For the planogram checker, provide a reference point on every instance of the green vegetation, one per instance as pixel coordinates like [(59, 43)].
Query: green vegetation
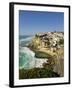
[(36, 73), (61, 42), (39, 54)]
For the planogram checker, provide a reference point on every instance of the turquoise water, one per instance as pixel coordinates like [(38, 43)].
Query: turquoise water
[(27, 59)]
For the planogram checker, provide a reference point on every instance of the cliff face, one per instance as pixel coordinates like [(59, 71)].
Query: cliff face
[(50, 44)]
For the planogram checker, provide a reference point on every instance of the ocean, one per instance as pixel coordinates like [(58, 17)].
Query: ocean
[(27, 59)]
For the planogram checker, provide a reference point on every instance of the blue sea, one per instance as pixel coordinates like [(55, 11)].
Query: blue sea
[(24, 40)]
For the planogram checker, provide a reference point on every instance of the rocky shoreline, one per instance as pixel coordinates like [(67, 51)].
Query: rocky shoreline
[(50, 45)]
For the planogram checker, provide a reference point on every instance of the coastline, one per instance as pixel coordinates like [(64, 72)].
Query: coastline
[(48, 55)]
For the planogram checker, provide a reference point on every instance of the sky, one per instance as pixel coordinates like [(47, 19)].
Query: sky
[(32, 22)]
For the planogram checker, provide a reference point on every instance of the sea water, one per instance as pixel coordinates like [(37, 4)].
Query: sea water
[(27, 59)]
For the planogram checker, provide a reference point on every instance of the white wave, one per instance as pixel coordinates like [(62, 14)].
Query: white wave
[(31, 60), (27, 50), (26, 39)]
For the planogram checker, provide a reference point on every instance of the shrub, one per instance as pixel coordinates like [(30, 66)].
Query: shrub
[(40, 54), (36, 73), (61, 41)]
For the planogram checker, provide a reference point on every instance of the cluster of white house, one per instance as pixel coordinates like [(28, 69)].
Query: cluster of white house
[(50, 39)]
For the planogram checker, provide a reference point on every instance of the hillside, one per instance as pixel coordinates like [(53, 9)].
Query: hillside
[(50, 45)]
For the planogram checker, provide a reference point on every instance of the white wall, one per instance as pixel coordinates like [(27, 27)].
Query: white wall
[(4, 44)]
